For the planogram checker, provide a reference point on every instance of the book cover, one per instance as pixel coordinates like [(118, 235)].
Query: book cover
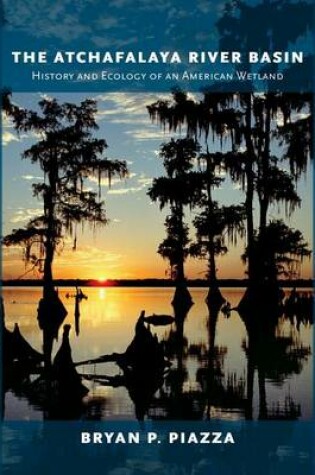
[(157, 236)]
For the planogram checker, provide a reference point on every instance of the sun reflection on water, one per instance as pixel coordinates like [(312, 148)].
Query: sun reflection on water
[(107, 325)]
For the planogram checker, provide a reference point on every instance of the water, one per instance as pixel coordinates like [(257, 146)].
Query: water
[(211, 369)]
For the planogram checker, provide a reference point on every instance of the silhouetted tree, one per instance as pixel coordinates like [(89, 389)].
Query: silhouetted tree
[(215, 224), (266, 174), (263, 173), (68, 154), (284, 251), (178, 189), (269, 140), (213, 116)]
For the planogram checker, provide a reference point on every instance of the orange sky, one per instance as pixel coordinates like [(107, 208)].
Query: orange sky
[(127, 247)]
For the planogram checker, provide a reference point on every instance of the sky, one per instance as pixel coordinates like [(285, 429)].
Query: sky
[(127, 247)]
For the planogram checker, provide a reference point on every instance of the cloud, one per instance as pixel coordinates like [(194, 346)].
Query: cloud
[(146, 134), (31, 177), (7, 127), (125, 191), (87, 257), (133, 184), (11, 253), (8, 137), (205, 6), (237, 186), (145, 181), (131, 109), (46, 97), (23, 215), (301, 116), (43, 18), (87, 254), (114, 180), (130, 121), (139, 185), (102, 41), (119, 3), (279, 120), (6, 122), (107, 22), (129, 103), (142, 5)]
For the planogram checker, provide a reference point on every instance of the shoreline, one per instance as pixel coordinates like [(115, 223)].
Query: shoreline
[(157, 283)]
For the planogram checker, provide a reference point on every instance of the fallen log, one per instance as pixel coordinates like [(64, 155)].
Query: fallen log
[(113, 358), (159, 320)]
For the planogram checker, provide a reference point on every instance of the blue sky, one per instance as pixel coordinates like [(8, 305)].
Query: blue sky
[(115, 24), (127, 247)]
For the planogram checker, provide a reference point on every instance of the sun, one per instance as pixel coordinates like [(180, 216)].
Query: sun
[(102, 280)]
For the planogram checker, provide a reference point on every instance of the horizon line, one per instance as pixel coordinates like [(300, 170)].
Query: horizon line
[(146, 282)]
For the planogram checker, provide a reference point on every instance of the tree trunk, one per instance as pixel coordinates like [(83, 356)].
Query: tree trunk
[(182, 298), (48, 286), (214, 295), (49, 206), (266, 166), (250, 187), (263, 215), (265, 198), (213, 281), (249, 298), (180, 274), (51, 312)]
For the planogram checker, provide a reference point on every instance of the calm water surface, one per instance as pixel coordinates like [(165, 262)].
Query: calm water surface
[(210, 372)]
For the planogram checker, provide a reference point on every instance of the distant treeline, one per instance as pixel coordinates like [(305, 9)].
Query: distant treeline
[(146, 283)]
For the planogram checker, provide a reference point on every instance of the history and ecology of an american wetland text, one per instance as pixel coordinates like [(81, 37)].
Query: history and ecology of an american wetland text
[(214, 60)]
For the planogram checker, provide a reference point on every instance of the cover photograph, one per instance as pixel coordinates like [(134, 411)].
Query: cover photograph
[(157, 237)]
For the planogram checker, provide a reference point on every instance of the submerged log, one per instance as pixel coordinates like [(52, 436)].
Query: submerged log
[(159, 320), (22, 350), (63, 369), (15, 347), (143, 366), (113, 358), (143, 351)]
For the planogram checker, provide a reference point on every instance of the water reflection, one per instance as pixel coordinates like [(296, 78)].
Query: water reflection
[(51, 313), (224, 390), (143, 365), (275, 357), (173, 402), (196, 362)]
